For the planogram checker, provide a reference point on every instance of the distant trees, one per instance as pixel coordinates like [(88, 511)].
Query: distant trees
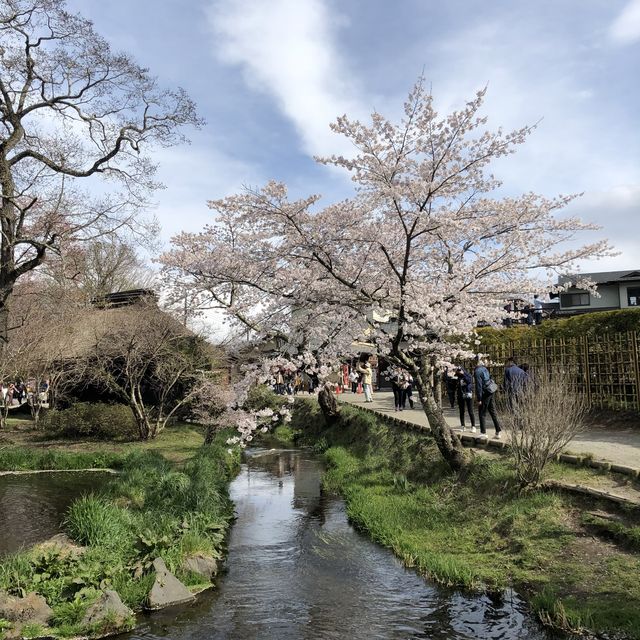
[(72, 113), (86, 272)]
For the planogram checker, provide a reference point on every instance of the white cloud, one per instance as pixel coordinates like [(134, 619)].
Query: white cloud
[(625, 29), (193, 176), (287, 49)]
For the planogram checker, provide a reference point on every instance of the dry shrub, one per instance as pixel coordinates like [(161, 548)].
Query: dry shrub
[(546, 414)]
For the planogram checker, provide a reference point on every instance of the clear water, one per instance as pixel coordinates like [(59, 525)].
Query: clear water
[(32, 506), (298, 570)]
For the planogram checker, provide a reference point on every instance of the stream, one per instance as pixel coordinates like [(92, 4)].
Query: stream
[(298, 570)]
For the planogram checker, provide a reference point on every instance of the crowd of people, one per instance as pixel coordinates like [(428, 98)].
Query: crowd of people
[(462, 386), (17, 393)]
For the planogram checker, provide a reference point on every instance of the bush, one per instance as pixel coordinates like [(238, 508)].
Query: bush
[(587, 324), (545, 415), (91, 420)]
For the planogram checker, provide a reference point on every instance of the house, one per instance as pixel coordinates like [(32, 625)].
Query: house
[(616, 290)]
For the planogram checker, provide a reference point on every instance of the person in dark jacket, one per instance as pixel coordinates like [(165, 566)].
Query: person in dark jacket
[(515, 380), (464, 394), (452, 384), (486, 401)]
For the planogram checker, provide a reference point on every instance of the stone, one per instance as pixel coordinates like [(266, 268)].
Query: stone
[(33, 608), (108, 608), (202, 565), (167, 590), (627, 471), (600, 464), (63, 544), (570, 459)]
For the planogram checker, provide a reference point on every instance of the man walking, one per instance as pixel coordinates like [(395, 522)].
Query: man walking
[(485, 390), (514, 380)]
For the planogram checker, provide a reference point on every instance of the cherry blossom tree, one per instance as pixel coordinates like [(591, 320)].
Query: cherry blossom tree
[(425, 248), (72, 113)]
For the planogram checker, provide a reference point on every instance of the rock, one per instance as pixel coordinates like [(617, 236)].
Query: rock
[(167, 590), (108, 608), (30, 609), (204, 566), (63, 544), (627, 471)]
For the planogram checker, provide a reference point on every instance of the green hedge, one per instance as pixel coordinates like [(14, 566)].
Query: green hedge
[(588, 324)]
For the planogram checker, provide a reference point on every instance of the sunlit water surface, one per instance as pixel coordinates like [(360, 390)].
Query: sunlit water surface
[(298, 570)]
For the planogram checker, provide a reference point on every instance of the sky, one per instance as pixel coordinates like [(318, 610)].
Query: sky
[(269, 76)]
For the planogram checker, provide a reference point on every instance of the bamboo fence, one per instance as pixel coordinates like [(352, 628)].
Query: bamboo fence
[(605, 367)]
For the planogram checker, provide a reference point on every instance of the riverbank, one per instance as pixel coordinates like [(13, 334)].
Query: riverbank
[(154, 508), (576, 560)]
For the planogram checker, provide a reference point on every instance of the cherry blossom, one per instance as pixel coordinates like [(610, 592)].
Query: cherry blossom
[(425, 249)]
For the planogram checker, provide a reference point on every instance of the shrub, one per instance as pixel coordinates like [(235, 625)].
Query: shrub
[(91, 420), (544, 416)]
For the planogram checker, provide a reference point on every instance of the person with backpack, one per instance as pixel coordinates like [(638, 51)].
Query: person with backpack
[(464, 393), (485, 391)]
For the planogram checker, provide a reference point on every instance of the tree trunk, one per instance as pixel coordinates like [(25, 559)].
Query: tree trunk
[(449, 444), (328, 404), (140, 416)]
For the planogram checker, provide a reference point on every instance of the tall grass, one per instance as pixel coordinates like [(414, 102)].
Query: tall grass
[(95, 521)]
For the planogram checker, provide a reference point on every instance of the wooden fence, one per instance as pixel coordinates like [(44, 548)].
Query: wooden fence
[(605, 367)]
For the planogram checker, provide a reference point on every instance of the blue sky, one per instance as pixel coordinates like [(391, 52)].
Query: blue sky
[(269, 75)]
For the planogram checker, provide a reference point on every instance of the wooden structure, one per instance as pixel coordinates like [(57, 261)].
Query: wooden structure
[(605, 367)]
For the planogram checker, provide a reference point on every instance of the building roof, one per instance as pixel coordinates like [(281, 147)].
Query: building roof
[(603, 277)]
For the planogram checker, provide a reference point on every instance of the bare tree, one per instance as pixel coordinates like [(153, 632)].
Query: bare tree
[(149, 361), (38, 353), (89, 271), (546, 414), (72, 112)]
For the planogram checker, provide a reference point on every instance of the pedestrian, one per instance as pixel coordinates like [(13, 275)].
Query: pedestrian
[(485, 392), (396, 387), (537, 309), (408, 394), (514, 381), (364, 368), (10, 393), (464, 395), (451, 383), (353, 379)]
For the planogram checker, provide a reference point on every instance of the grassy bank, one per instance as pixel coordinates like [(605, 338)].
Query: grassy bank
[(176, 443), (153, 508), (578, 570)]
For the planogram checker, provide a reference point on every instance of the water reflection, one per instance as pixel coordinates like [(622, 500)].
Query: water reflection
[(298, 570), (32, 506)]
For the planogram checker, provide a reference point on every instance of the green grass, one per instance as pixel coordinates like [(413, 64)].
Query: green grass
[(176, 443), (152, 508), (24, 459), (480, 531)]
